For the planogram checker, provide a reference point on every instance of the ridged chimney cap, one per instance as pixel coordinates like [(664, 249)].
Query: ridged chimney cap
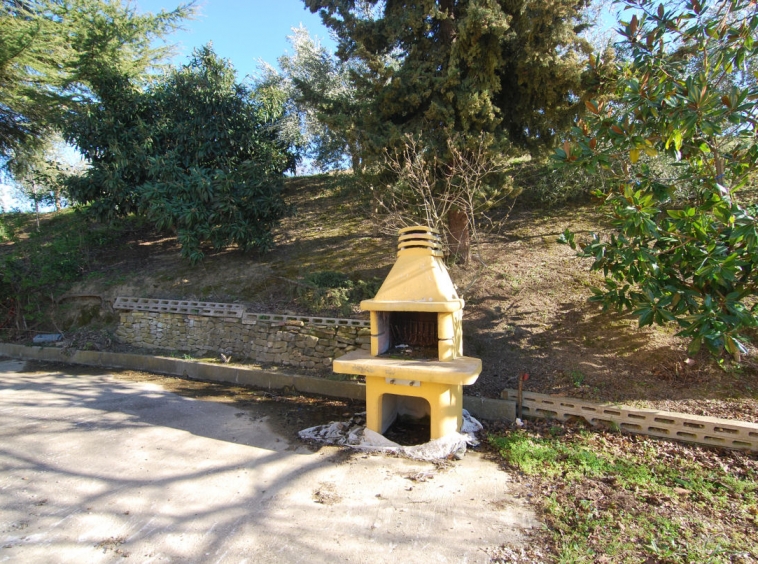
[(419, 280), (420, 237)]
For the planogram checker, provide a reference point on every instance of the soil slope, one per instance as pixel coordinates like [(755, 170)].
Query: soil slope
[(526, 301)]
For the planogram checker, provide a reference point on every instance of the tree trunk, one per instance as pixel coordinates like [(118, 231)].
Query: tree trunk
[(355, 156), (447, 26), (460, 236), (36, 203)]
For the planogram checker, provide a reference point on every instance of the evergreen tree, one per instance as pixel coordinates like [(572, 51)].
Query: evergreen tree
[(513, 69), (506, 74), (51, 50)]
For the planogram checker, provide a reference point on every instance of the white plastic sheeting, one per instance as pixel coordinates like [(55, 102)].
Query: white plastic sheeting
[(355, 435)]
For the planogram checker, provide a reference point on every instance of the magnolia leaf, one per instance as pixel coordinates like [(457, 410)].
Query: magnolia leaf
[(634, 155), (676, 137)]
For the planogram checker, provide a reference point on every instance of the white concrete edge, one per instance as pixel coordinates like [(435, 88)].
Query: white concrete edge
[(699, 429)]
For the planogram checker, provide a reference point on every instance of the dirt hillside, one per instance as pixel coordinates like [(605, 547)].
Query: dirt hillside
[(526, 302)]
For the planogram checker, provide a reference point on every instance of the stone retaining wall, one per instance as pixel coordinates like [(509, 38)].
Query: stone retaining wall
[(266, 338)]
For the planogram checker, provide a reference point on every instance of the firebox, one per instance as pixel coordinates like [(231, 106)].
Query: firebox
[(416, 362)]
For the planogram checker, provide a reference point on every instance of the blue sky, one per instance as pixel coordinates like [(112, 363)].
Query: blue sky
[(242, 31)]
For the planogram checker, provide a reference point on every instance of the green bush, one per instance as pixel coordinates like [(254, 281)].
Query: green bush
[(685, 247), (35, 270), (196, 153), (544, 185), (330, 290)]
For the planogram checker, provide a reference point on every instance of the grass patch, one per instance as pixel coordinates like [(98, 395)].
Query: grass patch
[(611, 497)]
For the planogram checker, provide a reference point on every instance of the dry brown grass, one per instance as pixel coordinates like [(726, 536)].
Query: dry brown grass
[(526, 298)]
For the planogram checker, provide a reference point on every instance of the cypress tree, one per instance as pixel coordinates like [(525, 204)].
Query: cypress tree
[(512, 69)]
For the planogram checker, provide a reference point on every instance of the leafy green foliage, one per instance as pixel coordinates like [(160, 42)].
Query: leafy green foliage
[(330, 290), (503, 75), (320, 102), (39, 171), (541, 185), (685, 248), (197, 154), (38, 268), (50, 52)]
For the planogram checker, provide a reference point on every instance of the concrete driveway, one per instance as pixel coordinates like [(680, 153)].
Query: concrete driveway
[(94, 468)]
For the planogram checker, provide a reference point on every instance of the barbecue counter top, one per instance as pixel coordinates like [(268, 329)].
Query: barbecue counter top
[(463, 370)]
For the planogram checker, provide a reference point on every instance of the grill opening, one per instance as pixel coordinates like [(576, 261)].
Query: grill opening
[(411, 335), (412, 328)]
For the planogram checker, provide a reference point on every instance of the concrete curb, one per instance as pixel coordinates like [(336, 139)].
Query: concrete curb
[(482, 408)]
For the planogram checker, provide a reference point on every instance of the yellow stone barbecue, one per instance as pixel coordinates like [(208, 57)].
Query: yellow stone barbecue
[(416, 364)]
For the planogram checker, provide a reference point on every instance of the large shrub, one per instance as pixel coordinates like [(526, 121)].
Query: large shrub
[(685, 249), (197, 154)]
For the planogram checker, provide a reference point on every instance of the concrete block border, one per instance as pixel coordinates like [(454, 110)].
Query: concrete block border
[(320, 321), (483, 408), (207, 309), (214, 309), (698, 429)]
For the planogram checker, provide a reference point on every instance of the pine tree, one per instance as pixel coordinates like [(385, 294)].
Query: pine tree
[(51, 50), (509, 74)]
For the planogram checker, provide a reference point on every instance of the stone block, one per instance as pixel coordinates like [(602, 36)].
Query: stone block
[(311, 341)]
